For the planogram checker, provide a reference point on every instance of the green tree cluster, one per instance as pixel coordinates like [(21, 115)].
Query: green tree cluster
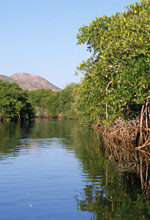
[(50, 104), (14, 103), (116, 80)]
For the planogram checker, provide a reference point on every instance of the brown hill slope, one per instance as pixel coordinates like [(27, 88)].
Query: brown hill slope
[(6, 78), (32, 82)]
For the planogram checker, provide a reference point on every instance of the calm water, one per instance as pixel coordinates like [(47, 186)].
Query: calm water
[(56, 170)]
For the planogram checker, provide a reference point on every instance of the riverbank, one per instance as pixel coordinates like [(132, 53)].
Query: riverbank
[(120, 134), (122, 147)]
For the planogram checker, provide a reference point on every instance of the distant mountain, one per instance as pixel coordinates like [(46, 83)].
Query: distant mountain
[(30, 81), (6, 78)]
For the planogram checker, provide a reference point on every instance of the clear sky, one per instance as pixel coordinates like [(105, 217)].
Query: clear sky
[(39, 36)]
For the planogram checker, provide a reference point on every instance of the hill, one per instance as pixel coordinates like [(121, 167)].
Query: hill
[(30, 82), (6, 78)]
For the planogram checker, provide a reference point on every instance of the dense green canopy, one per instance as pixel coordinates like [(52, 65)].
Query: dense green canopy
[(14, 103), (48, 103), (116, 78)]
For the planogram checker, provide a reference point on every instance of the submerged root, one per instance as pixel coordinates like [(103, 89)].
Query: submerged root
[(128, 135), (123, 134), (122, 146)]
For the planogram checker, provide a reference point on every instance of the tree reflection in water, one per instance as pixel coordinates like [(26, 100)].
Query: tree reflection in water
[(115, 190)]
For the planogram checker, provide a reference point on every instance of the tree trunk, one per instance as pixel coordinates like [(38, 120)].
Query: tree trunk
[(106, 100), (141, 126)]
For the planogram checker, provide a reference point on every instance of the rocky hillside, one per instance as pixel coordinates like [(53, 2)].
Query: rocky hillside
[(30, 81), (6, 78)]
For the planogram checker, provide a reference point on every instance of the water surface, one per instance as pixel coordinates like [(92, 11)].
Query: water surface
[(56, 170)]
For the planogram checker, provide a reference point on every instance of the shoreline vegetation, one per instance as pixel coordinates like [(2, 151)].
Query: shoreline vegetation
[(114, 93)]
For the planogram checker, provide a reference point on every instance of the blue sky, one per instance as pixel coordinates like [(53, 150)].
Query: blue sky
[(39, 36)]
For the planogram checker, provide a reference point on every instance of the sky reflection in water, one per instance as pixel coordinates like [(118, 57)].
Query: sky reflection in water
[(55, 170)]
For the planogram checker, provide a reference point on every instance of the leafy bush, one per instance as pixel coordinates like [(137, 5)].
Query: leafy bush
[(117, 75), (14, 103), (48, 103)]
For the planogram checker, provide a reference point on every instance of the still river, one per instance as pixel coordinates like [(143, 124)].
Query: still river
[(57, 170)]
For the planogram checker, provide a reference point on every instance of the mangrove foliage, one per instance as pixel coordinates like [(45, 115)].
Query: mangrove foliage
[(116, 80), (14, 102), (116, 77), (50, 104)]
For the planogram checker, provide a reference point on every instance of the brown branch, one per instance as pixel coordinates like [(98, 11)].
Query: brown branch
[(146, 115), (144, 145), (141, 124), (106, 100)]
